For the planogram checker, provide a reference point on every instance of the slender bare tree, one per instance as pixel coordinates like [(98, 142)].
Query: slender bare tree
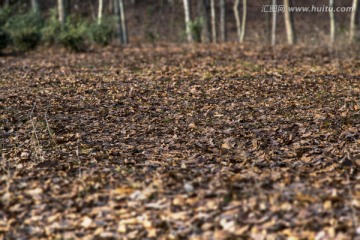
[(237, 18), (223, 20), (240, 24), (332, 21), (119, 26), (273, 26), (115, 7), (35, 6), (122, 19), (205, 28), (61, 11), (268, 25), (100, 11), (353, 21), (187, 12), (213, 21), (289, 23), (243, 24)]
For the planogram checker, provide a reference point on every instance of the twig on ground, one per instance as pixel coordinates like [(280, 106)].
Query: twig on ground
[(37, 142)]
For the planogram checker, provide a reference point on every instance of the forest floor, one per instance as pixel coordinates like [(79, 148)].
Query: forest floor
[(166, 142)]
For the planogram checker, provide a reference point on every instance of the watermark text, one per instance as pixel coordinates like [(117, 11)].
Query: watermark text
[(324, 8)]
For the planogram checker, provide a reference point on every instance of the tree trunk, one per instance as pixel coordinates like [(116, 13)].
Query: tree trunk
[(115, 7), (353, 21), (35, 6), (68, 5), (273, 26), (237, 19), (187, 12), (213, 21), (223, 20), (61, 11), (110, 6), (100, 11), (205, 28), (289, 23), (268, 26), (119, 25), (122, 17), (243, 25), (332, 22), (357, 15)]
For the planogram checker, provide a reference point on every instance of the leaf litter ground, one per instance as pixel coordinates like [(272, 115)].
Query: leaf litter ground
[(204, 142)]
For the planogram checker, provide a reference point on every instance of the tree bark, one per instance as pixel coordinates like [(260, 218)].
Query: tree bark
[(353, 21), (273, 25), (332, 22), (205, 28), (119, 25), (61, 11), (289, 23), (125, 39), (35, 6), (237, 19), (268, 25), (357, 15), (187, 12), (100, 11), (223, 20), (243, 25), (115, 7), (213, 21), (110, 6), (67, 4)]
